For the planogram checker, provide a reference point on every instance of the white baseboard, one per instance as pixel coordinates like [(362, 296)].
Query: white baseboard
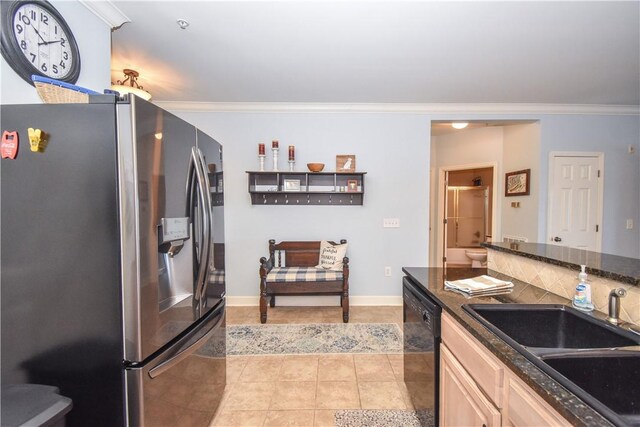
[(320, 300), (376, 300)]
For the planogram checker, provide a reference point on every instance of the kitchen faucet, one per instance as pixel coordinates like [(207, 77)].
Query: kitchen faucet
[(614, 305)]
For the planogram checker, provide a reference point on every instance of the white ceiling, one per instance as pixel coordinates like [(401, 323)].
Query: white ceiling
[(579, 52)]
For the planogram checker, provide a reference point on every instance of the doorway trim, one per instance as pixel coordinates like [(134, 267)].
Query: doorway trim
[(496, 211), (600, 201)]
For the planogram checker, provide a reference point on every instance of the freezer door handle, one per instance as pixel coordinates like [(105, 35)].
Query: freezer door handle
[(215, 317)]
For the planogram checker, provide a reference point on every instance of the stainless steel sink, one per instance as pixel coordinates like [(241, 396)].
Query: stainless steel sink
[(597, 361)]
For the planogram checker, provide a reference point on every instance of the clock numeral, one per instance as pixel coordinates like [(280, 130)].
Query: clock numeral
[(43, 67), (65, 55), (54, 67), (55, 29), (23, 45), (33, 15), (33, 58), (44, 18), (19, 28), (63, 43), (25, 19), (64, 67)]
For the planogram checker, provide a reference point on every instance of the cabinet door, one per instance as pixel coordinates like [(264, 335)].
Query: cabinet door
[(484, 368), (461, 401), (525, 409)]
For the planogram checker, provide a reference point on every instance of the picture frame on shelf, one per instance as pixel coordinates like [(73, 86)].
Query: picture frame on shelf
[(291, 185), (352, 185), (517, 183), (345, 163)]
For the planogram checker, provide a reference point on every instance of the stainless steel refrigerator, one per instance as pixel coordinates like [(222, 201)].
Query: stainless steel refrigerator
[(112, 262)]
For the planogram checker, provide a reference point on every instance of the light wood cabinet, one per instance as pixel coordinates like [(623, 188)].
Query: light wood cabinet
[(483, 366), (461, 401), (526, 409), (477, 389)]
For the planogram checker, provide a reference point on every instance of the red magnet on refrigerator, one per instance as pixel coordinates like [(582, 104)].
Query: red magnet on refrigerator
[(9, 144)]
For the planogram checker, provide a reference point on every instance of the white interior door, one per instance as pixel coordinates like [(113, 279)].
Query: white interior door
[(575, 200)]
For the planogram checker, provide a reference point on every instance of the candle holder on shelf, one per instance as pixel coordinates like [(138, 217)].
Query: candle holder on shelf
[(292, 157), (275, 159), (291, 165), (261, 155)]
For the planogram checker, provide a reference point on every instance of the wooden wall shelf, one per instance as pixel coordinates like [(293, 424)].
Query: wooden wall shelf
[(314, 188)]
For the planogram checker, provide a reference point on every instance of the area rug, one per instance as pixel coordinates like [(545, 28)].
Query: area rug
[(314, 338), (383, 418)]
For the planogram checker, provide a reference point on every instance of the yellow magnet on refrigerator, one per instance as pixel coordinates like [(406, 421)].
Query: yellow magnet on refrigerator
[(36, 139)]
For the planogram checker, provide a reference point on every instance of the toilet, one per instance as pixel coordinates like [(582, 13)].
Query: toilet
[(478, 257)]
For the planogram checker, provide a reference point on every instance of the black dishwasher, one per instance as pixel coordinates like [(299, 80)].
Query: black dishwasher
[(421, 332)]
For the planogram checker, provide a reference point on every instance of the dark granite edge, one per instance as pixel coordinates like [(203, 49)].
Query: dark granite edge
[(571, 407), (612, 275)]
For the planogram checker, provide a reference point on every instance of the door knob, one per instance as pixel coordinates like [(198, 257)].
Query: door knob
[(557, 239)]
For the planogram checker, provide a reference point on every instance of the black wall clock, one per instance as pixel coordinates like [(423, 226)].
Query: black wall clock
[(37, 40)]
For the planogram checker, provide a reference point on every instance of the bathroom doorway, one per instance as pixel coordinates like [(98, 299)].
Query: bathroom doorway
[(467, 219)]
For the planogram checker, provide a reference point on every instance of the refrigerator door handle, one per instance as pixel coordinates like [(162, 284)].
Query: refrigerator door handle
[(209, 220), (189, 213), (195, 184), (216, 316), (205, 204)]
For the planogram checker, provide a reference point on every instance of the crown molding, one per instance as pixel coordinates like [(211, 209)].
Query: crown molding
[(107, 11), (445, 108)]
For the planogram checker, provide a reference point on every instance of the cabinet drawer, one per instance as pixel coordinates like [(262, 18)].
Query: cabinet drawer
[(526, 409), (486, 370)]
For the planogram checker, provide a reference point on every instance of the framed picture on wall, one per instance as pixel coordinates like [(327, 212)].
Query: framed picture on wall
[(517, 183)]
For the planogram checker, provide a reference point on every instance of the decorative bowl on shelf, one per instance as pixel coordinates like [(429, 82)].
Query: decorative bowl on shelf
[(315, 167)]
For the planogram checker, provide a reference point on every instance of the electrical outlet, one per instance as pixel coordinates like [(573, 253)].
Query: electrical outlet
[(387, 271), (391, 222), (629, 224)]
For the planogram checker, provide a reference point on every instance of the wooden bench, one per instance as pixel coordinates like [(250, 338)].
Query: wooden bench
[(299, 275)]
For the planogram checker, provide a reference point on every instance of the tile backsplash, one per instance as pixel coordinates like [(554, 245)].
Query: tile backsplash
[(562, 281)]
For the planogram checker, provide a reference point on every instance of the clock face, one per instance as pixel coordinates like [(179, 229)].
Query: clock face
[(43, 41), (37, 40)]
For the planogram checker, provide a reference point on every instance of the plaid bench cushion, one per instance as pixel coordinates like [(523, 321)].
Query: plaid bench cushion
[(302, 274), (216, 277)]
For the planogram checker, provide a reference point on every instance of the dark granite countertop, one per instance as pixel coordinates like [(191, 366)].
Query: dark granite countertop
[(566, 403), (614, 267)]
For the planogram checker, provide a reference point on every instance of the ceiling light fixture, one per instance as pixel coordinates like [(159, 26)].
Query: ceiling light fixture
[(130, 85), (183, 23), (459, 125)]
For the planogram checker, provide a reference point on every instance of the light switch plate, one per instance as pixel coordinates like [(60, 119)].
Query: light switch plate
[(391, 222)]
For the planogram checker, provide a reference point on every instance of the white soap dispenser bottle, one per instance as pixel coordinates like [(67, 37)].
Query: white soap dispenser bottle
[(582, 297)]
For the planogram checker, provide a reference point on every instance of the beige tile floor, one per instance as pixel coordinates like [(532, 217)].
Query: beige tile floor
[(306, 390)]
